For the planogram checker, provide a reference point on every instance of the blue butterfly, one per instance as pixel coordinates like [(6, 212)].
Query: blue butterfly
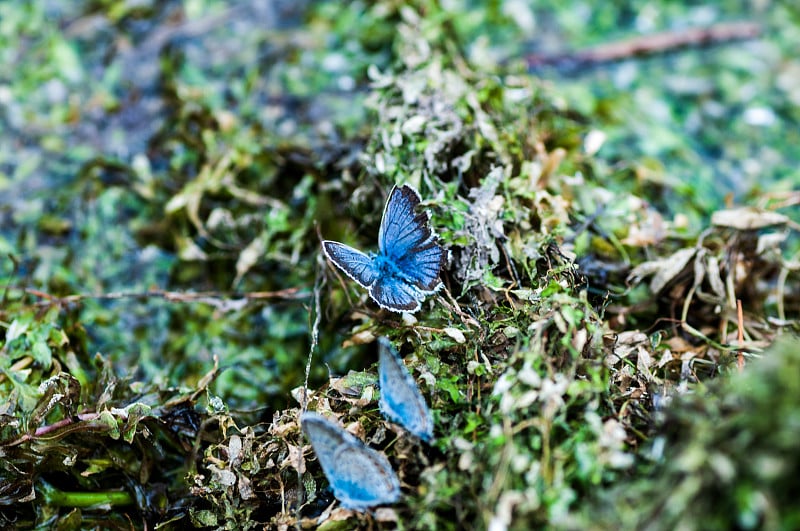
[(401, 401), (409, 259), (359, 476)]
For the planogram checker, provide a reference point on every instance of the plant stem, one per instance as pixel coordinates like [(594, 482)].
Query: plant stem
[(53, 496)]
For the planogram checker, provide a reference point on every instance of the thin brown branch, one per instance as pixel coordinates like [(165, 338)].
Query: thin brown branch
[(740, 318), (645, 45), (58, 429), (219, 299)]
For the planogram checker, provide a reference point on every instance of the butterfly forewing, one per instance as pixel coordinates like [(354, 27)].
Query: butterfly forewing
[(401, 400), (402, 229), (359, 476), (355, 264)]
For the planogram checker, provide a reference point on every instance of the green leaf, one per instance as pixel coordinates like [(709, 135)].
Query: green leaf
[(40, 351), (17, 328), (108, 420), (136, 412)]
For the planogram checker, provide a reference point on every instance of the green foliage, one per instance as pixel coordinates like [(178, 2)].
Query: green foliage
[(721, 457), (72, 432), (168, 169), (534, 441)]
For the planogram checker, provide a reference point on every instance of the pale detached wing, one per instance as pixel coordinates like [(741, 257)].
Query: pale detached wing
[(359, 476), (401, 401)]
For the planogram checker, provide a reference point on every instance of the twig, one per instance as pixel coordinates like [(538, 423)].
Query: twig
[(219, 299), (318, 284), (740, 318), (453, 306), (82, 421), (314, 331), (51, 496), (645, 45)]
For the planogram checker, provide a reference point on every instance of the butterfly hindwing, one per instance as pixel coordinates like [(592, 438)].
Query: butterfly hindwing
[(359, 476), (396, 294), (422, 267), (355, 264), (401, 400)]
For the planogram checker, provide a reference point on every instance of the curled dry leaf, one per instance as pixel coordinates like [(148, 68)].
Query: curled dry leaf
[(664, 269), (295, 457), (359, 338), (770, 242), (456, 334), (747, 219), (714, 277), (249, 257), (386, 514), (356, 388)]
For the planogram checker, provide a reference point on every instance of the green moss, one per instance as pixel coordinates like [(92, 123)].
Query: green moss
[(722, 457)]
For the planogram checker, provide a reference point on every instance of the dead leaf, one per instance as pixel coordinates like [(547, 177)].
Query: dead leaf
[(747, 218), (456, 334), (665, 269)]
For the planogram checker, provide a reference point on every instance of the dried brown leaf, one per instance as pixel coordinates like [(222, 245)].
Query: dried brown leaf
[(747, 218)]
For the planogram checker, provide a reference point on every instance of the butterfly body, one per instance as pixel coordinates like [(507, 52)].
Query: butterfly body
[(409, 259), (387, 268)]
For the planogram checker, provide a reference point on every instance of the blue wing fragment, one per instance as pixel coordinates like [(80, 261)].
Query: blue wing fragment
[(359, 476), (401, 401)]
